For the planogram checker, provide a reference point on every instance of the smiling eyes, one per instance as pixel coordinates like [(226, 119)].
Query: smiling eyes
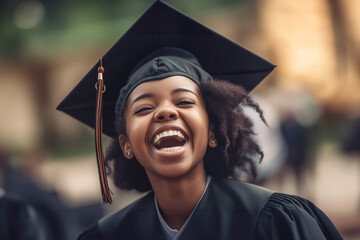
[(142, 109), (182, 103), (185, 102)]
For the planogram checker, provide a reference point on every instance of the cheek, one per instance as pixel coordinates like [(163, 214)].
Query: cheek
[(200, 127), (136, 131)]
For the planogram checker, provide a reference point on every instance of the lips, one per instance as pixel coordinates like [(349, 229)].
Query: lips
[(169, 140)]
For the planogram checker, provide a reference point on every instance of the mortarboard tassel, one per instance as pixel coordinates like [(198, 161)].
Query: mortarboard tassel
[(100, 87)]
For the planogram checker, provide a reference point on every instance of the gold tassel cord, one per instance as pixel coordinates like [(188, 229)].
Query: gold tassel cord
[(100, 87)]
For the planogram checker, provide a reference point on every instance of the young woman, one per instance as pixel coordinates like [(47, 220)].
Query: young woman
[(181, 135)]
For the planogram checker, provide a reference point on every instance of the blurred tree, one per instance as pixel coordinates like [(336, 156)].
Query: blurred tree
[(66, 25)]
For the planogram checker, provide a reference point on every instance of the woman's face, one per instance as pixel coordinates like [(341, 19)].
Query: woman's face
[(167, 127)]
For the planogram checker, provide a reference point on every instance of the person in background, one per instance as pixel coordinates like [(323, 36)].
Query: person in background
[(19, 220)]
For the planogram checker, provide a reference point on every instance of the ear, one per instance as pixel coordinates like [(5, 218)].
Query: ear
[(126, 147), (212, 138)]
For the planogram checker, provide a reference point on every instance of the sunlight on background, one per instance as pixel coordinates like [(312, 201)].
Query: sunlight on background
[(29, 14)]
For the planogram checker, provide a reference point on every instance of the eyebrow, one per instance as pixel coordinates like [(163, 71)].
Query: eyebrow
[(183, 90), (146, 95)]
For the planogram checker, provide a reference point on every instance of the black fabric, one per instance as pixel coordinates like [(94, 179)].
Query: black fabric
[(60, 221), (137, 221), (93, 233), (229, 209), (292, 217), (19, 221)]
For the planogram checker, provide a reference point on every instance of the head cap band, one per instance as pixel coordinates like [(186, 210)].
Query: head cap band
[(160, 64)]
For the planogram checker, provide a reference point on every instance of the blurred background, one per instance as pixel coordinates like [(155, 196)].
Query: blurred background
[(311, 100)]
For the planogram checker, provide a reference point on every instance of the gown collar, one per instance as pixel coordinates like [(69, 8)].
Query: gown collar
[(174, 234)]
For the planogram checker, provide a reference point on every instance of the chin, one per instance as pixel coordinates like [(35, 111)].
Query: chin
[(180, 170)]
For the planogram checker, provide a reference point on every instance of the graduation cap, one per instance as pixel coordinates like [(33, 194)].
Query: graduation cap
[(160, 26)]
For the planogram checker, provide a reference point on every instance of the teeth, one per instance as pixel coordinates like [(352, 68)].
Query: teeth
[(167, 134), (169, 149)]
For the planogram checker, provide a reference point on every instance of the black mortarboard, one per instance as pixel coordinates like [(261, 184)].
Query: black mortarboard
[(161, 26)]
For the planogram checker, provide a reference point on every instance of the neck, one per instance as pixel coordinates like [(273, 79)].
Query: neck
[(177, 197)]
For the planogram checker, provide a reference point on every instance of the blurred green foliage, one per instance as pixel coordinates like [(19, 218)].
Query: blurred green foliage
[(67, 25)]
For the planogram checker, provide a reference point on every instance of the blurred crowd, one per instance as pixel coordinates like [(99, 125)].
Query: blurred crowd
[(30, 212)]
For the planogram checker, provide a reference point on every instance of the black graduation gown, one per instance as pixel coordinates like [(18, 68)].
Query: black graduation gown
[(230, 209), (19, 221)]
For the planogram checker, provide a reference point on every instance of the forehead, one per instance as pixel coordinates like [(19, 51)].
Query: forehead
[(164, 85)]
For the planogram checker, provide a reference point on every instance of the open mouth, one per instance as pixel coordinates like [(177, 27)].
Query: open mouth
[(170, 140)]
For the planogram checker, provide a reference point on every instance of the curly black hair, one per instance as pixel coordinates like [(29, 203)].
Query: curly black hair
[(235, 154)]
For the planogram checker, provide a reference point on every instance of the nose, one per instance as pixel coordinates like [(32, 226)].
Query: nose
[(166, 114)]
